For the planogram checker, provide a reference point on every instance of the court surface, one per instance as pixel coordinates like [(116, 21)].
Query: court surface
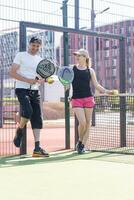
[(66, 175)]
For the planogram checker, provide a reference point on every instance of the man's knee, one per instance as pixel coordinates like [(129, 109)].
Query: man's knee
[(26, 112)]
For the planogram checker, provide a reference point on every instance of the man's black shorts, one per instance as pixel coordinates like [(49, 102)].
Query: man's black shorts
[(30, 106)]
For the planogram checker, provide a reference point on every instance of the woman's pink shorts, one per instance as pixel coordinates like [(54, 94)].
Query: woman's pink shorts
[(87, 102)]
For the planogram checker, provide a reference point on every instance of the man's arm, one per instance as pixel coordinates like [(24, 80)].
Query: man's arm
[(13, 73)]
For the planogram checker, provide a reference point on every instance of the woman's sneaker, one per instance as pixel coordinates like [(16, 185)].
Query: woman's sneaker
[(80, 148), (18, 137), (40, 153)]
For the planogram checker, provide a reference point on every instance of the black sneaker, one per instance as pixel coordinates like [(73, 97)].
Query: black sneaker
[(18, 137), (40, 153), (81, 149)]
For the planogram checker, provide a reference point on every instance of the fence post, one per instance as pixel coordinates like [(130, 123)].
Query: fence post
[(22, 47), (122, 79), (76, 7), (66, 95), (1, 97), (76, 10)]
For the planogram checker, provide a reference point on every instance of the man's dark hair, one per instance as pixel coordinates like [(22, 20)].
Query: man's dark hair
[(35, 40)]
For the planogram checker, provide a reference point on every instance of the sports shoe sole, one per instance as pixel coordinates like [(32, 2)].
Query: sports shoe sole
[(36, 155)]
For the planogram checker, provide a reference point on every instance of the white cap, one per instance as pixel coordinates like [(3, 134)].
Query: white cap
[(82, 52)]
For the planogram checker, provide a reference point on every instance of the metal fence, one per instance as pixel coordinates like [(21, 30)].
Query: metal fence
[(114, 125), (21, 21), (69, 41), (8, 127), (113, 130)]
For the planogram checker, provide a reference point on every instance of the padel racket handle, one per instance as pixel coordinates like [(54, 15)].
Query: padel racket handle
[(37, 78)]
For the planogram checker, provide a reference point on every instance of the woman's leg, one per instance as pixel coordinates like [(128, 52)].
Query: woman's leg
[(80, 114), (88, 115)]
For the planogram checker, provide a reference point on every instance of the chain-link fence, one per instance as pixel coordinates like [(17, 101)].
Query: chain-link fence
[(104, 51), (114, 125)]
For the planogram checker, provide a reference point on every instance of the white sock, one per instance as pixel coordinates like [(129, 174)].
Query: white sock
[(36, 133)]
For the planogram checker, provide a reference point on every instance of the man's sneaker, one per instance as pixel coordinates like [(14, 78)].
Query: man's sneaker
[(40, 153), (18, 137), (81, 149)]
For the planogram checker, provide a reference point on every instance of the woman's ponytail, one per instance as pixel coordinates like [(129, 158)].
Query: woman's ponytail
[(88, 62)]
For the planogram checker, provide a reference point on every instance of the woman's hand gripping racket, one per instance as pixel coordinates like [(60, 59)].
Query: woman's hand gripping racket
[(66, 76)]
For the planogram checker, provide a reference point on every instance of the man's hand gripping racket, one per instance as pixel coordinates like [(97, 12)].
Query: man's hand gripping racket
[(45, 69)]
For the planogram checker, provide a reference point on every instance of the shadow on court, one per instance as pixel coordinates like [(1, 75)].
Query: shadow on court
[(64, 157)]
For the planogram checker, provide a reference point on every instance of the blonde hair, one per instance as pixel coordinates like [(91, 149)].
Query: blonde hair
[(88, 62)]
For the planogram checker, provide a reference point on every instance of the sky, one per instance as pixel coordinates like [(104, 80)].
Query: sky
[(49, 12), (39, 11)]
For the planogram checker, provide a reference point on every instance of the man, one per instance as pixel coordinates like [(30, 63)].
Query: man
[(27, 90)]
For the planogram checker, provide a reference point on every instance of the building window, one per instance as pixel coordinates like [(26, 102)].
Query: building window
[(115, 31), (129, 80), (107, 43), (114, 62), (106, 63), (129, 70), (130, 90), (114, 52), (115, 42), (107, 53), (114, 72), (122, 30), (129, 49), (129, 29), (129, 60), (128, 40)]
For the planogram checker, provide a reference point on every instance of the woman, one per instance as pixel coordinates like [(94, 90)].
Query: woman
[(82, 99)]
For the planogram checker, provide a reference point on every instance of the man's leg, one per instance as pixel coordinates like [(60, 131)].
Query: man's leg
[(36, 133), (37, 124), (23, 122), (26, 112)]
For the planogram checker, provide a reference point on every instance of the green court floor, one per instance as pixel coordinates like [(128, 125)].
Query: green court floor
[(68, 176)]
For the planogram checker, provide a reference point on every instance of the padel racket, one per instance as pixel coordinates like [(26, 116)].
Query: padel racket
[(66, 75), (45, 69)]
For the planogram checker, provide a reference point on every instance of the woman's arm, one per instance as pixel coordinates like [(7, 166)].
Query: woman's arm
[(97, 85)]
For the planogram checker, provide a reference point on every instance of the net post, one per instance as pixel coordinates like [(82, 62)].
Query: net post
[(122, 79), (76, 123), (22, 47), (93, 117)]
